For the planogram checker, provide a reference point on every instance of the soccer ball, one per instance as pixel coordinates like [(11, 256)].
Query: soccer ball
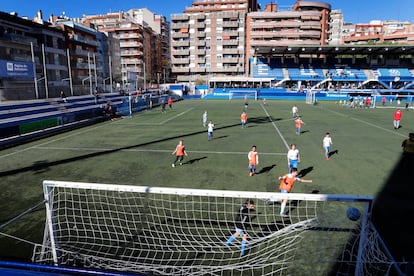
[(353, 213)]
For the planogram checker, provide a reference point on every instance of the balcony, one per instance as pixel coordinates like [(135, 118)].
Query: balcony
[(179, 26), (180, 69), (230, 60), (231, 33), (180, 43), (179, 35), (230, 24), (180, 60), (234, 42), (132, 61), (175, 17), (124, 44), (131, 53), (180, 52), (198, 70), (132, 35), (230, 51), (81, 39)]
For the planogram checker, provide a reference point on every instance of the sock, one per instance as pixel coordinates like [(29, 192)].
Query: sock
[(243, 247), (230, 240), (282, 207)]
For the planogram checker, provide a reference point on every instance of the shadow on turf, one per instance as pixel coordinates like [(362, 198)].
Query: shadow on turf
[(194, 160), (393, 210), (261, 120), (304, 172), (267, 169), (220, 137), (40, 166), (332, 153)]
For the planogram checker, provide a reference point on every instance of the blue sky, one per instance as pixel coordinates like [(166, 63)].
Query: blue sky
[(355, 11)]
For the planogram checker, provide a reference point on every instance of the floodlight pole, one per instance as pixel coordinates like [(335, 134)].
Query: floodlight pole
[(45, 71), (70, 72), (34, 71)]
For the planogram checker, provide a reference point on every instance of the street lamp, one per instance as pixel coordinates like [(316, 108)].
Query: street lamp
[(70, 84), (103, 81)]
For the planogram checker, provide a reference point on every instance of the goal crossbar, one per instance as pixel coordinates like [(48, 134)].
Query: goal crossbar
[(47, 184)]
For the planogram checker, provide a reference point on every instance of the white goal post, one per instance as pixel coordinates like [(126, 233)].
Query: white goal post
[(172, 231), (243, 94), (310, 97), (392, 101)]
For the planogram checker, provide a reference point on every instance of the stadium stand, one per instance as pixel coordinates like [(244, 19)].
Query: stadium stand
[(23, 121), (391, 74), (267, 69), (27, 120)]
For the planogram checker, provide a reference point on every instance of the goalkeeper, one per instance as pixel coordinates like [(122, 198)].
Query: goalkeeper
[(242, 221)]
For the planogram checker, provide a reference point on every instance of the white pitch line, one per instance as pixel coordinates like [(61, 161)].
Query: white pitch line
[(362, 121), (379, 127), (276, 128), (151, 150), (157, 124), (178, 115)]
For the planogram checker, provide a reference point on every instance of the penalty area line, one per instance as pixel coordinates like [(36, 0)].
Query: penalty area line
[(176, 116)]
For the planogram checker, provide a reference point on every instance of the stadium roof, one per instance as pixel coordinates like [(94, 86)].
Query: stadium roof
[(336, 50)]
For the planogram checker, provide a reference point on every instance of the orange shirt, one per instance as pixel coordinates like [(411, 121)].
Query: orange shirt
[(179, 150), (253, 157), (243, 116), (170, 101), (298, 123), (287, 182)]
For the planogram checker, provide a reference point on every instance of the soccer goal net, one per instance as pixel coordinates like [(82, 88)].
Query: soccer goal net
[(310, 97), (392, 101), (171, 231), (243, 94)]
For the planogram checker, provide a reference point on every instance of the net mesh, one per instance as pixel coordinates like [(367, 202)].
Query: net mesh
[(183, 232)]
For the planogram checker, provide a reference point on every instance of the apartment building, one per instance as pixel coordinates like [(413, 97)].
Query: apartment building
[(336, 27), (143, 46), (380, 32), (306, 23), (33, 58), (208, 40), (85, 55)]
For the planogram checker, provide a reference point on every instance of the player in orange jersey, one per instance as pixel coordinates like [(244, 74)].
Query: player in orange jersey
[(298, 125), (170, 102), (243, 119), (253, 157), (179, 153), (286, 184)]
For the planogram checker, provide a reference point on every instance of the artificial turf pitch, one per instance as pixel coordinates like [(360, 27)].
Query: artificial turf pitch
[(365, 160)]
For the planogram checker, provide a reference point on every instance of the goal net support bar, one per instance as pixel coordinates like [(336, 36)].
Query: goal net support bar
[(172, 231)]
